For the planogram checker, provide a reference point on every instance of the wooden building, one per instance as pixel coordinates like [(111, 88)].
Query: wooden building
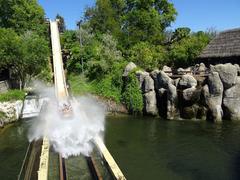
[(224, 48)]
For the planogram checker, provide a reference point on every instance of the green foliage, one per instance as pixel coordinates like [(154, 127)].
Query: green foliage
[(22, 15), (80, 85), (132, 95), (131, 21), (105, 55), (61, 23), (25, 55), (12, 95), (180, 33), (147, 56), (111, 85), (105, 17), (184, 52)]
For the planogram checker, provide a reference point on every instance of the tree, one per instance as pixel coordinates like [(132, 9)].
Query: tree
[(25, 55), (147, 56), (61, 23), (180, 33), (22, 15), (105, 17), (146, 20), (132, 21), (183, 53)]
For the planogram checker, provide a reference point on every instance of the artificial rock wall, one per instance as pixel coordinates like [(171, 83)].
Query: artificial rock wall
[(210, 94)]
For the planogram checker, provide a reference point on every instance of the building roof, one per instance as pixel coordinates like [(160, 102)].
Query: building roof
[(226, 44)]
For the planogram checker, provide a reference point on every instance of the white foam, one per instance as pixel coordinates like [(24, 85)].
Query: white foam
[(71, 136)]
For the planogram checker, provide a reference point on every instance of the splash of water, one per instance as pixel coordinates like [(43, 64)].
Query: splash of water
[(73, 135)]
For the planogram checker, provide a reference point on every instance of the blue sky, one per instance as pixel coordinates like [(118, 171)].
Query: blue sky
[(196, 14)]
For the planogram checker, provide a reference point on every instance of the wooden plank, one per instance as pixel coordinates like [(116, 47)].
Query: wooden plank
[(43, 165), (115, 170)]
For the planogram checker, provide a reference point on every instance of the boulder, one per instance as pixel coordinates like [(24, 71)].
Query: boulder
[(238, 68), (176, 81), (130, 66), (150, 103), (231, 102), (213, 93), (189, 112), (172, 100), (187, 81), (148, 84), (10, 111), (141, 76), (180, 71), (227, 72), (163, 80), (167, 70), (215, 84), (162, 91), (154, 75), (201, 69), (191, 95)]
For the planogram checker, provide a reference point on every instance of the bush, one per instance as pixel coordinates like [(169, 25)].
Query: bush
[(106, 88), (132, 95), (12, 95), (79, 85)]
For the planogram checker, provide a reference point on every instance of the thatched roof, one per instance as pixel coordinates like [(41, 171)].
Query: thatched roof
[(226, 44)]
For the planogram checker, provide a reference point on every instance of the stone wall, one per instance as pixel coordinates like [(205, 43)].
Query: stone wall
[(10, 112), (215, 96)]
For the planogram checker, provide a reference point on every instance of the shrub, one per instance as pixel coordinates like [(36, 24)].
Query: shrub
[(132, 95)]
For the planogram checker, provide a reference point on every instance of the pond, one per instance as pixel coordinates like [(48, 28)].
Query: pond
[(148, 148)]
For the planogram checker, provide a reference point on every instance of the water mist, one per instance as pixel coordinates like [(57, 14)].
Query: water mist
[(73, 135)]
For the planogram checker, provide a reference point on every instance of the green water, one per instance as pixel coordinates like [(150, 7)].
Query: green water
[(158, 149), (147, 148), (13, 145)]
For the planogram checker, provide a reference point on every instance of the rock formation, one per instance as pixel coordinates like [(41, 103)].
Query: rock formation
[(192, 95)]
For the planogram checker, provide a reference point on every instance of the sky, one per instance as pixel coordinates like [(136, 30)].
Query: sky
[(198, 15)]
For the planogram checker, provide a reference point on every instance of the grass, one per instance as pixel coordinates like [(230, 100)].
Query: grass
[(12, 95)]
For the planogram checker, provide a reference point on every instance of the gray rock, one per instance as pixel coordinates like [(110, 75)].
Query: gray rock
[(231, 102), (238, 68), (167, 70), (141, 76), (163, 80), (215, 84), (213, 93), (201, 69), (11, 110), (180, 71), (154, 75), (190, 112), (162, 91), (172, 100), (150, 103), (176, 81), (187, 81), (191, 94), (130, 66), (228, 74), (148, 84), (194, 112)]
